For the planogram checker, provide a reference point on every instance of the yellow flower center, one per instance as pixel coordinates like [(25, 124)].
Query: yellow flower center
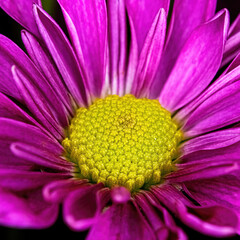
[(123, 141)]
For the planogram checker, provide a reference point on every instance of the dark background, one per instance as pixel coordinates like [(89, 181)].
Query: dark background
[(59, 230)]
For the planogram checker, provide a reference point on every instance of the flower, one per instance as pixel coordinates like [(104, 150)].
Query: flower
[(177, 160)]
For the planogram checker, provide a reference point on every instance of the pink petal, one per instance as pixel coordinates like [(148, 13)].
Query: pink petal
[(62, 54), (219, 110), (150, 55), (186, 16), (57, 191), (211, 141), (26, 211), (37, 104), (21, 11), (202, 169), (118, 222), (41, 158), (212, 220), (87, 25), (189, 78), (142, 19), (117, 45), (43, 61), (81, 206)]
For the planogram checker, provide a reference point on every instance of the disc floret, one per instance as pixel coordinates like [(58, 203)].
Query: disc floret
[(123, 141)]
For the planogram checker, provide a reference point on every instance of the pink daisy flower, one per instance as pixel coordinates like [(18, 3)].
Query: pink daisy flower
[(132, 124)]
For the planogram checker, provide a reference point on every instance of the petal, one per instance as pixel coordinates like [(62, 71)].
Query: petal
[(120, 195), (37, 104), (133, 58), (232, 44), (117, 45), (45, 64), (202, 169), (87, 25), (211, 141), (41, 158), (212, 220), (230, 76), (26, 211), (62, 54), (142, 19), (189, 78), (159, 218), (10, 55), (21, 11), (9, 109), (230, 152), (223, 190), (186, 16), (80, 207), (219, 110), (57, 191), (118, 222), (150, 55), (7, 60), (23, 181), (14, 131)]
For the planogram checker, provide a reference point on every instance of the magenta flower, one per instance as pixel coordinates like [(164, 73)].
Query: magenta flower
[(132, 125)]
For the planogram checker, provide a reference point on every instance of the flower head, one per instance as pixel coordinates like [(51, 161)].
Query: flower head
[(130, 126)]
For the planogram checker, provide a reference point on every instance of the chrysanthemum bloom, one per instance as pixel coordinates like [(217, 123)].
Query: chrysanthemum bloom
[(129, 126)]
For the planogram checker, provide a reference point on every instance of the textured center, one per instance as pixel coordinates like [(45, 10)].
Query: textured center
[(123, 141)]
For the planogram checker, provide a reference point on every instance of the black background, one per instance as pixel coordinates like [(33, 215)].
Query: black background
[(59, 230)]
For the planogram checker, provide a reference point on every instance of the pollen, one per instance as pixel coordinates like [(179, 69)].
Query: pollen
[(123, 141)]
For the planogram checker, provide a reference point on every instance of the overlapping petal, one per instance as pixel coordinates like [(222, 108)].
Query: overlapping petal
[(22, 12), (186, 16), (62, 54), (189, 78), (87, 25)]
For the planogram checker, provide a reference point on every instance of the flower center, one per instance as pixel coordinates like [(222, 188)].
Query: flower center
[(123, 141)]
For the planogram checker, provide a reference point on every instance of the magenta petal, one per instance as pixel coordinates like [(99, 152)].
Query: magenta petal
[(223, 190), (120, 195), (186, 16), (26, 211), (117, 45), (62, 54), (226, 79), (218, 139), (7, 60), (45, 64), (14, 131), (37, 103), (219, 110), (12, 55), (150, 55), (121, 221), (87, 25), (19, 181), (159, 218), (41, 158), (22, 12), (232, 45), (57, 191), (133, 58), (215, 221), (231, 48), (230, 152), (202, 169), (189, 78), (9, 109), (142, 19), (80, 207)]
